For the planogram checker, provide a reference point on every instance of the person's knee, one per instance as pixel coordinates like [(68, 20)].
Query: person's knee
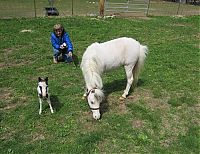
[(56, 52)]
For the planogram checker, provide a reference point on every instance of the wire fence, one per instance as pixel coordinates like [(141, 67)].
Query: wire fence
[(41, 8)]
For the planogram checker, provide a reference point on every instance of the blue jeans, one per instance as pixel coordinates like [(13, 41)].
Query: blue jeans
[(64, 53)]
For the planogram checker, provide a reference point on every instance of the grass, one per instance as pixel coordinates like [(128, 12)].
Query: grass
[(159, 116)]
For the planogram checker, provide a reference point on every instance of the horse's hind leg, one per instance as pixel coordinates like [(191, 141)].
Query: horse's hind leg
[(49, 102), (129, 75)]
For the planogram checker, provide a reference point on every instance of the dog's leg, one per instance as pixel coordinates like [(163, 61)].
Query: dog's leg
[(49, 102), (40, 110)]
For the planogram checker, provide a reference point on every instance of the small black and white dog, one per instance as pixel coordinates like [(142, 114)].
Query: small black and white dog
[(43, 93)]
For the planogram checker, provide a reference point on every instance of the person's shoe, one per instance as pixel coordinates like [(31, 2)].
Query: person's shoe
[(55, 60)]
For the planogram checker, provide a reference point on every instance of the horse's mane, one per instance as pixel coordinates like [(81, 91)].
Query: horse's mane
[(92, 68), (99, 94)]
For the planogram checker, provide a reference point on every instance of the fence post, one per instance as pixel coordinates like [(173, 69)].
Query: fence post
[(35, 8), (101, 7), (178, 7), (72, 7), (147, 12)]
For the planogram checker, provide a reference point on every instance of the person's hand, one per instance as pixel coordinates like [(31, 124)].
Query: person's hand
[(63, 46), (70, 54)]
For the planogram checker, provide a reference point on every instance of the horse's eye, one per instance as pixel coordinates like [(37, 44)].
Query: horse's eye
[(92, 102)]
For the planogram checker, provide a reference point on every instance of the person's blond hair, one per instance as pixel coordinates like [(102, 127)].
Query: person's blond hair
[(57, 27)]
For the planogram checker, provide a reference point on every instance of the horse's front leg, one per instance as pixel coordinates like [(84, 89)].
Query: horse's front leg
[(129, 75)]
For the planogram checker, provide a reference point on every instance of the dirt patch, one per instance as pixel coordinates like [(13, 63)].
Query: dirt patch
[(7, 135), (114, 104), (9, 102), (171, 127), (87, 122), (138, 123), (6, 94), (9, 106), (37, 137), (148, 97), (8, 51), (122, 108), (17, 62), (2, 65), (167, 142), (197, 35), (180, 25)]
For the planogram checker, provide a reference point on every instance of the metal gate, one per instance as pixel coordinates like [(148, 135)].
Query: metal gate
[(136, 7)]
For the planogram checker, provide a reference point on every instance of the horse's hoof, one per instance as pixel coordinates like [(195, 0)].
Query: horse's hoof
[(122, 98)]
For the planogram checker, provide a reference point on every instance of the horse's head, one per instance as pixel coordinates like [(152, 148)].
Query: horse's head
[(94, 98), (42, 88)]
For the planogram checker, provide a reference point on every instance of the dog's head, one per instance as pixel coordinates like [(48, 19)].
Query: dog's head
[(43, 88)]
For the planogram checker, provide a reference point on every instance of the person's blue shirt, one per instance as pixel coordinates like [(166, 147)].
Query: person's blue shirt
[(57, 41)]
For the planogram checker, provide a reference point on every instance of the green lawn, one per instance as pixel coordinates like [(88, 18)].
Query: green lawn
[(161, 115)]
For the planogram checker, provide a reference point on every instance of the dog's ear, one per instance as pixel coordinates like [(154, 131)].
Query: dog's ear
[(39, 79)]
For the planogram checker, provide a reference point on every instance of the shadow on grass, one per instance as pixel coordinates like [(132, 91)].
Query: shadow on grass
[(120, 85), (114, 86), (56, 103), (76, 60)]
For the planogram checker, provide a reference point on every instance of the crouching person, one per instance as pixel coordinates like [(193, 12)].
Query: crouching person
[(61, 43)]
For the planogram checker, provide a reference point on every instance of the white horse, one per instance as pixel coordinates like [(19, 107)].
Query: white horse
[(100, 57)]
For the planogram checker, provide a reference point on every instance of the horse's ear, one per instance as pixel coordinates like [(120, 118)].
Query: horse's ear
[(46, 79), (39, 79)]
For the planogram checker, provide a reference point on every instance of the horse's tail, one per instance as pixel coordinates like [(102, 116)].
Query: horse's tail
[(139, 65)]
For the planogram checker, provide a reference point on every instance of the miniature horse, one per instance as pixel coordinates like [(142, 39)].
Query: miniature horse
[(100, 57), (43, 93)]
